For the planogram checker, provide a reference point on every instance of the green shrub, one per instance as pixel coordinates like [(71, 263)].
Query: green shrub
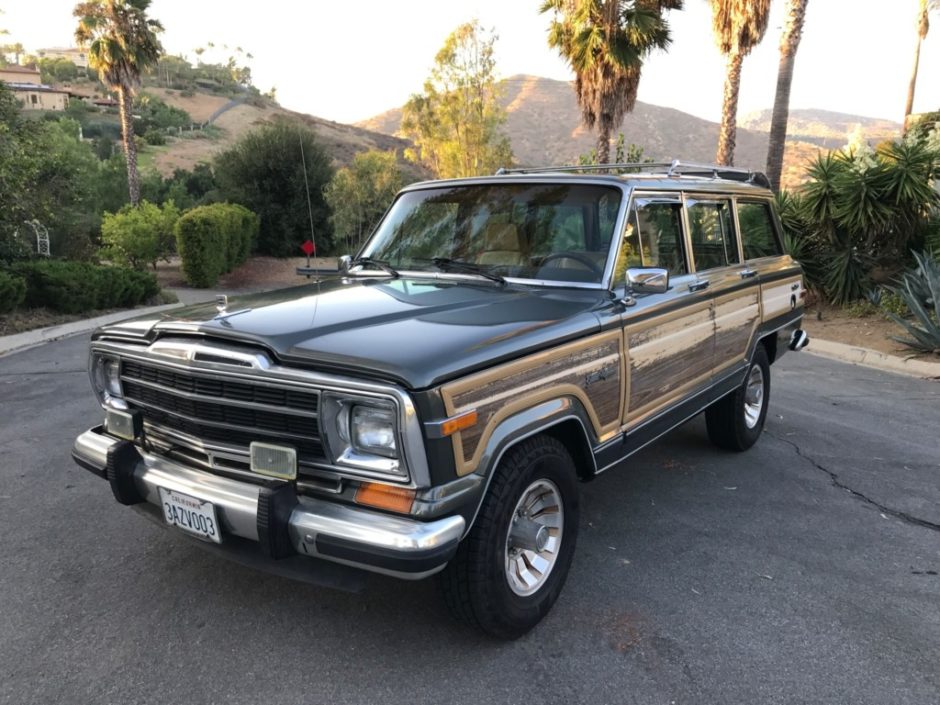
[(860, 214), (12, 292), (139, 236), (77, 287), (154, 138), (891, 302), (920, 290), (214, 239)]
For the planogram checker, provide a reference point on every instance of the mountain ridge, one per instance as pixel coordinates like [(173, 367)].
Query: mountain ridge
[(544, 126)]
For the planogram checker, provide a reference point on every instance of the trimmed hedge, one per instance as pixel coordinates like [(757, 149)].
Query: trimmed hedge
[(212, 240), (76, 287), (12, 292)]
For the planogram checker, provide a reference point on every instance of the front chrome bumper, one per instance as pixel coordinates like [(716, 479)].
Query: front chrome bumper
[(398, 546)]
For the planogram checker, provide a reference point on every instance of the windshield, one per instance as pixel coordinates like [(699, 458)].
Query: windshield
[(553, 232)]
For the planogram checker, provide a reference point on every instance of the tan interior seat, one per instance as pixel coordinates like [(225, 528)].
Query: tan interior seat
[(501, 245)]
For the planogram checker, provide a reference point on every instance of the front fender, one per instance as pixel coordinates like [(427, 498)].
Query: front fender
[(543, 417)]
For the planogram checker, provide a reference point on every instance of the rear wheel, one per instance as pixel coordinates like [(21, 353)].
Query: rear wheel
[(735, 421), (511, 567)]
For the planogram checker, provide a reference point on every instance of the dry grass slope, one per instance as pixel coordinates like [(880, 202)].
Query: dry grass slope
[(341, 141)]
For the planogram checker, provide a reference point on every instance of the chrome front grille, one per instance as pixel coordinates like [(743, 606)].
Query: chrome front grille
[(218, 410)]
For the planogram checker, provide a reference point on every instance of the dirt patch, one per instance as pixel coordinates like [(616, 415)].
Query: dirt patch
[(258, 273), (873, 331), (199, 105)]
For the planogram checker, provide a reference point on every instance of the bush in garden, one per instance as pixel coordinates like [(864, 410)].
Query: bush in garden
[(77, 287), (861, 213), (139, 236), (214, 239), (12, 292), (155, 138), (920, 290)]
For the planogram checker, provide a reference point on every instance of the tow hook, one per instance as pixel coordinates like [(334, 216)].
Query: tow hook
[(798, 339)]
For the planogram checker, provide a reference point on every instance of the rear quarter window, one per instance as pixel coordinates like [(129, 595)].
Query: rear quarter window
[(758, 235)]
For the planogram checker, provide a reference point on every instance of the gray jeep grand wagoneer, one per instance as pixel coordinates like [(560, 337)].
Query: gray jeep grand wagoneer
[(431, 408)]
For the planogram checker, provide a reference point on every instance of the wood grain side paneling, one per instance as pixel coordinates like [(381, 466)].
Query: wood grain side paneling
[(668, 355), (736, 318), (590, 370)]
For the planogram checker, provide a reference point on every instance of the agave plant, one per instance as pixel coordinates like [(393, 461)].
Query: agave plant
[(920, 290)]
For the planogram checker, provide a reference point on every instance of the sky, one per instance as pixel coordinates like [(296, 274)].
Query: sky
[(347, 61)]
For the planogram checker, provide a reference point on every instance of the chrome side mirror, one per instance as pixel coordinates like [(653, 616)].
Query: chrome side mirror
[(342, 264), (645, 280)]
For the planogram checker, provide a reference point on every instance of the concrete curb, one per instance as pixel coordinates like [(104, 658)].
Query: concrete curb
[(31, 338), (872, 358)]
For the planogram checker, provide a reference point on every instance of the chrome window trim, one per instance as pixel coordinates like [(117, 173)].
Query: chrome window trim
[(414, 459)]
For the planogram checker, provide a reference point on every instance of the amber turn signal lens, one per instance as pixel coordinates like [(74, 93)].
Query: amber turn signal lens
[(394, 499), (459, 423)]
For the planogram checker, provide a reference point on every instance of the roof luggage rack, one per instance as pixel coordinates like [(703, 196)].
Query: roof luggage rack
[(673, 168)]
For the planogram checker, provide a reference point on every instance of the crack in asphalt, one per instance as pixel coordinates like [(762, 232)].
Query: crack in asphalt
[(834, 477)]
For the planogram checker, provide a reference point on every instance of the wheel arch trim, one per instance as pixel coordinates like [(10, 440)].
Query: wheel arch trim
[(527, 423)]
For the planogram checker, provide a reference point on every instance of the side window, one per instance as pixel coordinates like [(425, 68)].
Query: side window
[(658, 235), (757, 230), (712, 233)]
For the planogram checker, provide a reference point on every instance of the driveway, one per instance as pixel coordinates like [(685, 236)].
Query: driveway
[(805, 570)]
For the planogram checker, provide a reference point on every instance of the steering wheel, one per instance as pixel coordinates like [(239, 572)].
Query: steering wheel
[(577, 257)]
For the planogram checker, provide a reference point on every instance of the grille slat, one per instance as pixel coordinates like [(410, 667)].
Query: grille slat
[(222, 410), (223, 389)]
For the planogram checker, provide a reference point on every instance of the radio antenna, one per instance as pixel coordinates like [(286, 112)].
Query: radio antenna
[(313, 238), (303, 160)]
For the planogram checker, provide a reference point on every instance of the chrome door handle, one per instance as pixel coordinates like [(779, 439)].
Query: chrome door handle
[(748, 273), (699, 286)]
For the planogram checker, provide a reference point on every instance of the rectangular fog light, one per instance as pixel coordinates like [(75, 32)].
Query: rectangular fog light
[(274, 461), (124, 424)]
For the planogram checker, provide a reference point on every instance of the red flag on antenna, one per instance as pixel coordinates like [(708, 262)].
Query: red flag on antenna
[(309, 248)]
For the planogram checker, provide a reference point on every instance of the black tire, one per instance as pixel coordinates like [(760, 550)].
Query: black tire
[(475, 584), (726, 419)]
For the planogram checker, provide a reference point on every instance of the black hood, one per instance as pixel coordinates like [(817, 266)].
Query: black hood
[(417, 332)]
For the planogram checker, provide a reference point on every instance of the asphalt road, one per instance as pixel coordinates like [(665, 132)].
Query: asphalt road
[(803, 571)]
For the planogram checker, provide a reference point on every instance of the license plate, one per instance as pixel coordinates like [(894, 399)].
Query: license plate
[(194, 516)]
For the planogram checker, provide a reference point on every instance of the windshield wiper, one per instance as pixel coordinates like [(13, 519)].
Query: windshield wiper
[(446, 264), (377, 263)]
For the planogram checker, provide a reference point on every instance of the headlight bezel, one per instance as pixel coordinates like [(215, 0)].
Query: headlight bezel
[(104, 372), (346, 451)]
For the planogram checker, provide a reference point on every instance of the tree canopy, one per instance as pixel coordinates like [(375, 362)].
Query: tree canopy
[(456, 123), (606, 42), (122, 42), (264, 171), (359, 194)]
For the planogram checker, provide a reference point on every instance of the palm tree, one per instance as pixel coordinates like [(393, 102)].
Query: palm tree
[(738, 26), (605, 42), (923, 26), (789, 43), (122, 42)]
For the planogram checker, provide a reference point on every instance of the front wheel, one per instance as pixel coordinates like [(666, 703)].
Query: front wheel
[(511, 567), (735, 421)]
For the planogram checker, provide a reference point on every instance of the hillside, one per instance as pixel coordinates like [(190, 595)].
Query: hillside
[(544, 125), (823, 127), (341, 141)]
